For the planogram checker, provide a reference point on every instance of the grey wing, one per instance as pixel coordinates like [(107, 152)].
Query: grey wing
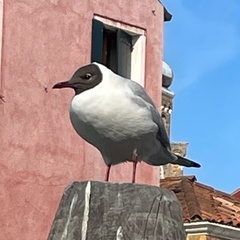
[(139, 91), (141, 99)]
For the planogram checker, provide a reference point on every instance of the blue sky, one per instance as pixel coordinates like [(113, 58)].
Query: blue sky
[(202, 45)]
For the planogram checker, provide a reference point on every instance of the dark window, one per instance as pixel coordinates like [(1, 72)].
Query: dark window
[(109, 57), (112, 47)]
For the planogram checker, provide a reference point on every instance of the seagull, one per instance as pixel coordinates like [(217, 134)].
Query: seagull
[(118, 117)]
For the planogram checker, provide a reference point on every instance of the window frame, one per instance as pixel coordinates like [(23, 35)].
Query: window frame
[(138, 54)]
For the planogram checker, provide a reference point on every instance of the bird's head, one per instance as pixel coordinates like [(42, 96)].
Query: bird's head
[(84, 78)]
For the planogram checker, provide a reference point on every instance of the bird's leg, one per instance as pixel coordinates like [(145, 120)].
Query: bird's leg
[(135, 162), (134, 171), (108, 172)]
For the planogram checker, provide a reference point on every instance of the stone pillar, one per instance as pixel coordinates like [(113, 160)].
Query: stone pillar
[(102, 210)]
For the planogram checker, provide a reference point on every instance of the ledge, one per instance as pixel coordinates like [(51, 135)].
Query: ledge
[(212, 229)]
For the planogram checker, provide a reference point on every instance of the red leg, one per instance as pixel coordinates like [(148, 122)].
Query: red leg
[(134, 170), (108, 172)]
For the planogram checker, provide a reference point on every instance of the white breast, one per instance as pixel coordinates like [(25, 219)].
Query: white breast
[(109, 109)]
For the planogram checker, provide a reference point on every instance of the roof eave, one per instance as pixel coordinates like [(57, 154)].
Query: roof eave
[(212, 229), (168, 92), (167, 14)]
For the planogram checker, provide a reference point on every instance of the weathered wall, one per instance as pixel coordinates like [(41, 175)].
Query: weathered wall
[(43, 43)]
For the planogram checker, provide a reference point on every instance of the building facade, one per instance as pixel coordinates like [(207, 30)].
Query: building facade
[(43, 42)]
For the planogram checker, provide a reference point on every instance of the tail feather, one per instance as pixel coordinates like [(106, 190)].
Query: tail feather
[(186, 162)]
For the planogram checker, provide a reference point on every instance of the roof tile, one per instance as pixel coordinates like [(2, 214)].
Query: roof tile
[(202, 202)]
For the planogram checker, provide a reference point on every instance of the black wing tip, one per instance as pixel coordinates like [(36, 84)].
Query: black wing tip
[(196, 165), (186, 162)]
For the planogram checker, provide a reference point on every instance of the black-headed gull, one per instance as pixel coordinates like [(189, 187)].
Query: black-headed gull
[(118, 117)]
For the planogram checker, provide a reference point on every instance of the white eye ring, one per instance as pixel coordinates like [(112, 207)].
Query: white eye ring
[(88, 75)]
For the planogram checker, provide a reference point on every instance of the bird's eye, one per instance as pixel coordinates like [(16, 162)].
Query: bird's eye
[(88, 75)]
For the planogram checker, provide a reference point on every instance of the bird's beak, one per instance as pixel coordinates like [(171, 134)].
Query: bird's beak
[(65, 84)]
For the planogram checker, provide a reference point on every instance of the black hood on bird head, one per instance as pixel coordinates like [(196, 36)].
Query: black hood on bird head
[(83, 79)]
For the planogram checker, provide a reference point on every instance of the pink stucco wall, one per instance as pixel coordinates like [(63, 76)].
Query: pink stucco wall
[(40, 153)]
